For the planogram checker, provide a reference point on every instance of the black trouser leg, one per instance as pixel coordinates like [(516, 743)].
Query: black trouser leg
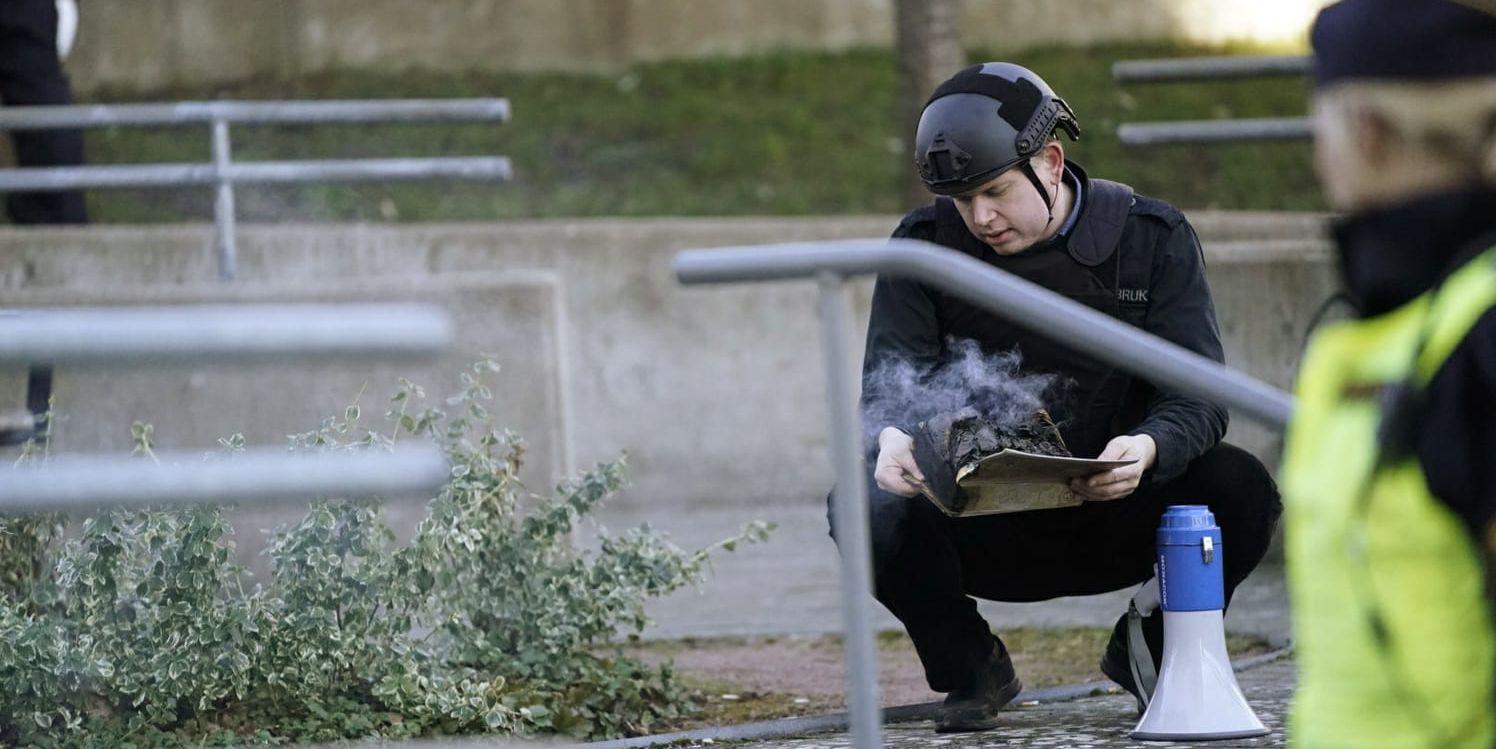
[(31, 74), (1241, 494), (1244, 499), (927, 566), (917, 575)]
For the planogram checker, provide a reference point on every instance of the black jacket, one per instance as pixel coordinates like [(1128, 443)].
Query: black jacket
[(1389, 257), (1133, 257)]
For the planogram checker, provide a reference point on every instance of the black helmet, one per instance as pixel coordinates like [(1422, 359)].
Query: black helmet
[(963, 140)]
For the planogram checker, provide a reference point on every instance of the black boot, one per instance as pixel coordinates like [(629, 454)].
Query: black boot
[(974, 708), (1117, 661)]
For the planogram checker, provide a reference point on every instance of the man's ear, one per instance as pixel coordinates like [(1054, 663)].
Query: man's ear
[(1052, 158)]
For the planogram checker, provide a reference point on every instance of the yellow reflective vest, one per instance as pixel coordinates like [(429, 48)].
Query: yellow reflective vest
[(1394, 635)]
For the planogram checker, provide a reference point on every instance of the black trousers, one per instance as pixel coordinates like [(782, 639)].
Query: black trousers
[(927, 567), (31, 74)]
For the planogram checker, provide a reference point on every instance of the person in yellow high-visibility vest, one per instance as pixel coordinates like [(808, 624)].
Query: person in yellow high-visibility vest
[(1389, 480)]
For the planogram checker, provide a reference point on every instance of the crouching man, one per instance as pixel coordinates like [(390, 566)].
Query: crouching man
[(987, 147)]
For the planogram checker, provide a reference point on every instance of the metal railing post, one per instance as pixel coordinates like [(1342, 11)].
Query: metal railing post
[(223, 204), (851, 513)]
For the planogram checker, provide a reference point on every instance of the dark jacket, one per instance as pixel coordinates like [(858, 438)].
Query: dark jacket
[(1130, 256), (1390, 256)]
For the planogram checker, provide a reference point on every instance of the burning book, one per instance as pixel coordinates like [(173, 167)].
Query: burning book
[(977, 466)]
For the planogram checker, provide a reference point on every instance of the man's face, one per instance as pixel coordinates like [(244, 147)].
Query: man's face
[(1007, 213)]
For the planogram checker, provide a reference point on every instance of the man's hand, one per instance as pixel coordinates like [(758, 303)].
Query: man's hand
[(895, 459), (1118, 482)]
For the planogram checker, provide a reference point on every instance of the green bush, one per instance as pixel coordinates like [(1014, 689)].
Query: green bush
[(139, 630)]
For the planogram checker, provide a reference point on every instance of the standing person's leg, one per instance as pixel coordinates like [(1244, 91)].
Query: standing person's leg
[(31, 74)]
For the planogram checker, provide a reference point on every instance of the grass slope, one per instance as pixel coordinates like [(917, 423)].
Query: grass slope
[(785, 133)]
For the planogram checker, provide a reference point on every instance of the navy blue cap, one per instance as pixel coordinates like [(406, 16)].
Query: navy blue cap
[(1403, 39)]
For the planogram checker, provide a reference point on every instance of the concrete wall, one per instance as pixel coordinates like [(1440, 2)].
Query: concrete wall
[(146, 44), (715, 392)]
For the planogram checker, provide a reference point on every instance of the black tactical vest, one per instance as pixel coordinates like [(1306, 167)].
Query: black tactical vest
[(1087, 265)]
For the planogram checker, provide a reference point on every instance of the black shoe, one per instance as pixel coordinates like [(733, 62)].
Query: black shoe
[(1117, 661), (975, 708)]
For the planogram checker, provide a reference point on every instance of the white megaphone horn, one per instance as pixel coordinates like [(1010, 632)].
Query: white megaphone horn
[(1196, 697)]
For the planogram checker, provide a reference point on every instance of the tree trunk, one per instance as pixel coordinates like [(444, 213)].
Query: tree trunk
[(929, 52)]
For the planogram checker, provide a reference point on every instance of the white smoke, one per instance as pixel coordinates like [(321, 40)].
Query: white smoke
[(899, 392)]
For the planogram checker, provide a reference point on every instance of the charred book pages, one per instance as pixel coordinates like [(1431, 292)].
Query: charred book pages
[(946, 443), (965, 436)]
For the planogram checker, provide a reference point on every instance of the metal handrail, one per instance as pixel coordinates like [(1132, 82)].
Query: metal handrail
[(262, 477), (256, 113), (1015, 300), (1209, 68), (41, 339), (478, 168), (1020, 302), (224, 174), (235, 334), (1212, 131), (212, 335), (1215, 131)]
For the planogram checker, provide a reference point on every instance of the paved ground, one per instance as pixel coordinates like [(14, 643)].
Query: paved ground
[(1091, 723), (789, 584)]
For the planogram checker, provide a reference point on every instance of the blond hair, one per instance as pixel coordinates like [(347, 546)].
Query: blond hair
[(1450, 122)]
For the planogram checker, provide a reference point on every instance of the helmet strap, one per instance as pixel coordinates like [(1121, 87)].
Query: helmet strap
[(1044, 195)]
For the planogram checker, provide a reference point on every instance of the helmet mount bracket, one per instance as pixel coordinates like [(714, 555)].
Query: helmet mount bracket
[(944, 160)]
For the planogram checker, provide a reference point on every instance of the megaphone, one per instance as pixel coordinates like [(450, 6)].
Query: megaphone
[(1196, 697)]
